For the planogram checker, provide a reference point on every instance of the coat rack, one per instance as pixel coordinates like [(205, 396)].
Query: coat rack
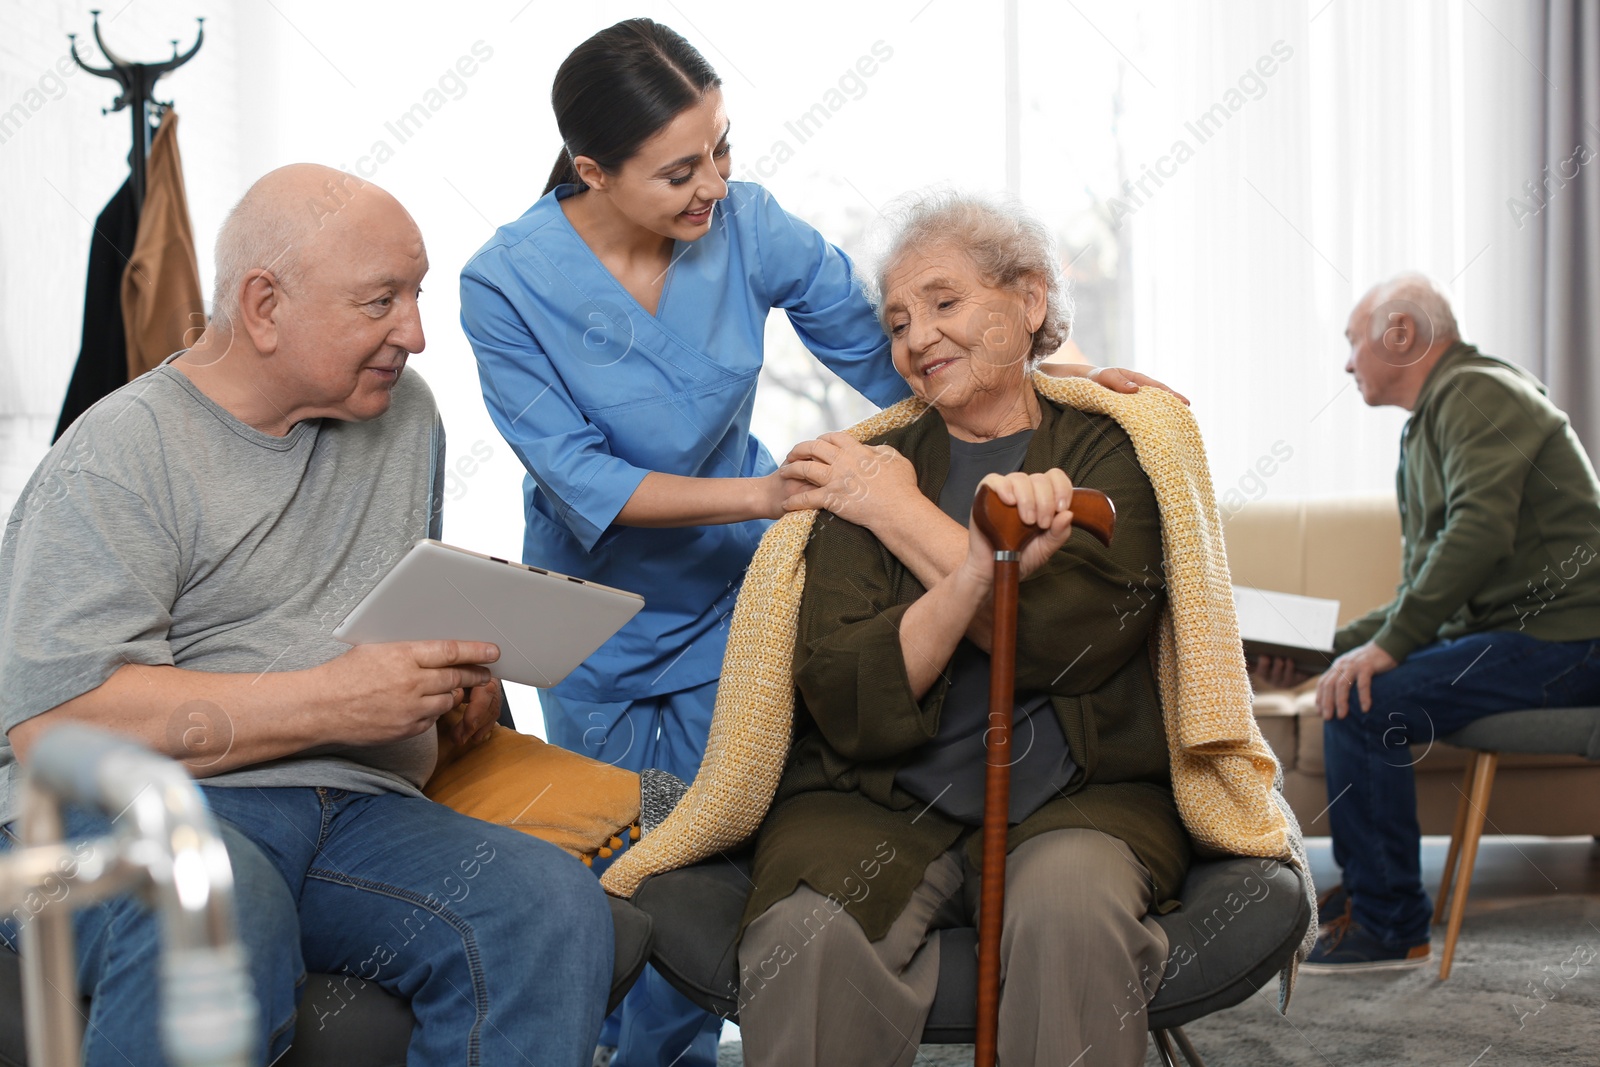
[(138, 81)]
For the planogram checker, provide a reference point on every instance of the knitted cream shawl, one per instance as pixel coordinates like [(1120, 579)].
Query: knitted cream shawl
[(1226, 781)]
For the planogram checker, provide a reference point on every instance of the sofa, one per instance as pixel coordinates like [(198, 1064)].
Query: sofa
[(1349, 550)]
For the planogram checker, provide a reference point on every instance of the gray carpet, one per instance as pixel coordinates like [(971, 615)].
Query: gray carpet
[(1525, 989)]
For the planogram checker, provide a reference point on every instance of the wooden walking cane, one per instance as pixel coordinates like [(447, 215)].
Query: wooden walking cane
[(1001, 526)]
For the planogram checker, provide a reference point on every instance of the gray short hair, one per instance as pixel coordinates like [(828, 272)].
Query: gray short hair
[(1424, 296), (1004, 240), (257, 234)]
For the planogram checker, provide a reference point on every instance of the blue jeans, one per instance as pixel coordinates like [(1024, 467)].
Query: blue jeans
[(501, 942), (1372, 793), (655, 1026)]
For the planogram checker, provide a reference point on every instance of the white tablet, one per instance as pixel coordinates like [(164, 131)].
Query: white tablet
[(544, 623)]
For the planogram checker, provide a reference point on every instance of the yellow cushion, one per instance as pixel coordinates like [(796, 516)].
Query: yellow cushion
[(581, 805)]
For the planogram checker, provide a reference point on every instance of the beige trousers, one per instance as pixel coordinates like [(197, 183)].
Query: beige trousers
[(1079, 960)]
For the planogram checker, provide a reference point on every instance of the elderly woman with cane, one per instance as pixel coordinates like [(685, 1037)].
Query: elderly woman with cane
[(870, 844)]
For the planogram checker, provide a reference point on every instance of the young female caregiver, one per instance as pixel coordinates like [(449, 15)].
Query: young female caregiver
[(618, 330)]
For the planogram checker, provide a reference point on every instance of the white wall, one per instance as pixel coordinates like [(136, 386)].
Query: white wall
[(61, 160)]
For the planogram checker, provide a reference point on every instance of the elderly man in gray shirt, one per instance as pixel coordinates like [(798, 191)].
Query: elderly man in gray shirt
[(173, 571)]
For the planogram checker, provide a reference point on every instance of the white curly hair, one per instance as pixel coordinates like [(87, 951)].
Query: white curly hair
[(1003, 239)]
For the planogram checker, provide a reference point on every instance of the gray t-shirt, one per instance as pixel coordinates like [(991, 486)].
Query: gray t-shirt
[(161, 530), (949, 771)]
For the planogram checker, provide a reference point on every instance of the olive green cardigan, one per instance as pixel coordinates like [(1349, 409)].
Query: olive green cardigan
[(838, 822)]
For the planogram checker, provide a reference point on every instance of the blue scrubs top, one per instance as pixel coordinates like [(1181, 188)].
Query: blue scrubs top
[(592, 392)]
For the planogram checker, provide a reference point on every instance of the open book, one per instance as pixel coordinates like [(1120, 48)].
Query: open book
[(1285, 624)]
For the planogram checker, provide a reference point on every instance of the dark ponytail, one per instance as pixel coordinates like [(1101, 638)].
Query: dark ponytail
[(618, 89)]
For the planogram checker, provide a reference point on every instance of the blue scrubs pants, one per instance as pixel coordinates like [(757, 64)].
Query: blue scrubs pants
[(656, 1026)]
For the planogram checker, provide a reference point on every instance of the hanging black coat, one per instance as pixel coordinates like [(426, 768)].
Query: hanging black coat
[(103, 359)]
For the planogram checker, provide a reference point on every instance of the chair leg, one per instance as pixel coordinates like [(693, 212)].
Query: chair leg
[(1187, 1047), (1164, 1040), (1482, 783), (1163, 1045), (1462, 807)]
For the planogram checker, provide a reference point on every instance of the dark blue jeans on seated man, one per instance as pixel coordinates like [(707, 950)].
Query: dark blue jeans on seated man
[(501, 942), (1372, 794)]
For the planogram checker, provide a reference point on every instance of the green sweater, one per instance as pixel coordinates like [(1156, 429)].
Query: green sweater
[(839, 823), (1500, 511)]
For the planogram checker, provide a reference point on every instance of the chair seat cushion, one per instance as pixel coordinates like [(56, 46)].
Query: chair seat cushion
[(1240, 923), (1555, 738), (1543, 731), (343, 1021)]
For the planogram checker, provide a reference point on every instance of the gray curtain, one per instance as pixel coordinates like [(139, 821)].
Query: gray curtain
[(1570, 333)]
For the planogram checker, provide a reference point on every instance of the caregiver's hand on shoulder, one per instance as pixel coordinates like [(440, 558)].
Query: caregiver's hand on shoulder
[(865, 484), (776, 490), (397, 689), (1114, 378), (1042, 501)]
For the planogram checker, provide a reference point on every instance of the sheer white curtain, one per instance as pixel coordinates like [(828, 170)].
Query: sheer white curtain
[(1280, 159)]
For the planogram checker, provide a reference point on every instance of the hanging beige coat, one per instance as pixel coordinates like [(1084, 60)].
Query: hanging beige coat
[(162, 310)]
